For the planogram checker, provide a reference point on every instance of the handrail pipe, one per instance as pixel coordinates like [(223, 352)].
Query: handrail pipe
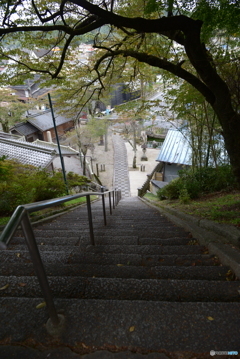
[(21, 216)]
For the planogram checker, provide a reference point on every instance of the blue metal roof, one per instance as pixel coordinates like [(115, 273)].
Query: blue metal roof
[(176, 149)]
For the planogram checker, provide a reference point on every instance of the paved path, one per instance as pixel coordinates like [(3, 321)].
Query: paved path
[(121, 176), (126, 178)]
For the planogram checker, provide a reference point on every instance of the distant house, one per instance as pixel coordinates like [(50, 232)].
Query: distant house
[(27, 153), (31, 89), (120, 94), (175, 154), (27, 130), (37, 126)]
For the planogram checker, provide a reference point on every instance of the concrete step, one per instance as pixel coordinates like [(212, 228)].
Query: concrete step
[(55, 233), (102, 231), (72, 256), (18, 351), (84, 238), (123, 249), (145, 249), (143, 233), (135, 240), (143, 286), (137, 325), (171, 290), (119, 271), (70, 241), (162, 241)]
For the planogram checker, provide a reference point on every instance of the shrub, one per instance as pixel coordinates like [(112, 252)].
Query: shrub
[(21, 184), (208, 179), (74, 179), (5, 168), (184, 196), (46, 186), (191, 184), (171, 190)]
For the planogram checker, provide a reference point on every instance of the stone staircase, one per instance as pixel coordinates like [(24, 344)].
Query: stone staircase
[(146, 286)]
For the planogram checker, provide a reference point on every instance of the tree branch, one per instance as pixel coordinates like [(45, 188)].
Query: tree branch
[(42, 28), (46, 19), (154, 61), (31, 69), (64, 51), (161, 25)]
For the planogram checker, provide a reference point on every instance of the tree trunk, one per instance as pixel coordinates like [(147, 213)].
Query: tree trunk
[(230, 123)]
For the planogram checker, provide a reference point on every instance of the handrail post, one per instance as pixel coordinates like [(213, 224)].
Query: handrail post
[(114, 199), (110, 203), (90, 220), (39, 269), (103, 204)]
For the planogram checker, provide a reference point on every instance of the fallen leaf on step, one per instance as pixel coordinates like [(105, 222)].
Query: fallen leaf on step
[(4, 287), (18, 255), (22, 284), (41, 305), (120, 265), (230, 275), (84, 346), (210, 318), (131, 329)]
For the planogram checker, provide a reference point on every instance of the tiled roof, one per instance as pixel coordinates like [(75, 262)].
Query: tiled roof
[(43, 121), (10, 135), (26, 153), (65, 150), (25, 128)]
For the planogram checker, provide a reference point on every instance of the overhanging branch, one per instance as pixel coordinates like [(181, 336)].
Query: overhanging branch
[(154, 61)]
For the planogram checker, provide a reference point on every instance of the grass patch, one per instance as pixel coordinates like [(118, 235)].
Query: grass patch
[(75, 201), (221, 207), (151, 197), (4, 220)]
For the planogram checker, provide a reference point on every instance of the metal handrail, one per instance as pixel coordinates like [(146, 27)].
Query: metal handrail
[(21, 216)]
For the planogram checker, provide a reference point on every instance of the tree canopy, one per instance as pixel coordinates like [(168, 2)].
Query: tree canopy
[(11, 110), (192, 40)]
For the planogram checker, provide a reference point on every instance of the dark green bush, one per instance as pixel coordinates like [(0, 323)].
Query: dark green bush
[(46, 186), (209, 179), (26, 184), (74, 179), (21, 184), (216, 179), (194, 183), (5, 168), (171, 190)]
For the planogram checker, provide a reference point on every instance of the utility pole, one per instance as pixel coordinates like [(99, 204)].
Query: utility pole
[(59, 148)]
